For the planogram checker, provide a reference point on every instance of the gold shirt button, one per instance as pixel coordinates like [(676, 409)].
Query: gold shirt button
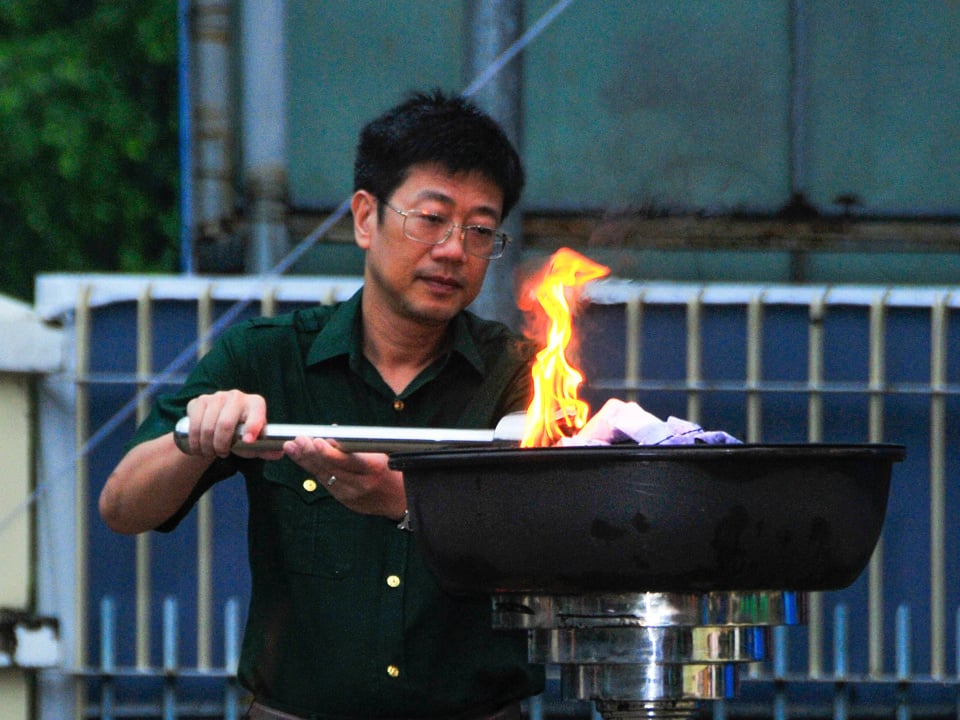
[(309, 484), (393, 671), (398, 404), (393, 581)]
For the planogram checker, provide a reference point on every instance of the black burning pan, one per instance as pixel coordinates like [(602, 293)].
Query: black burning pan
[(631, 518)]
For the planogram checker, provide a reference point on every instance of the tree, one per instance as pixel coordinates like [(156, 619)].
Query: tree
[(88, 138)]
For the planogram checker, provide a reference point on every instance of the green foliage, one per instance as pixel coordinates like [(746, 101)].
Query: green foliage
[(88, 138)]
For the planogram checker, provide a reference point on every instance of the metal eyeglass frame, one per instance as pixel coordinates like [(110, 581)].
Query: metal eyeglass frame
[(499, 235)]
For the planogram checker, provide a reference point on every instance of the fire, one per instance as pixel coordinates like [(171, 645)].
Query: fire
[(556, 411)]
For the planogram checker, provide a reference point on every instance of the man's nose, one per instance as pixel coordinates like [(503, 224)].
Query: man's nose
[(454, 247)]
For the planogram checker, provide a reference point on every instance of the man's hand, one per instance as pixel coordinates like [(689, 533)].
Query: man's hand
[(361, 481), (215, 418)]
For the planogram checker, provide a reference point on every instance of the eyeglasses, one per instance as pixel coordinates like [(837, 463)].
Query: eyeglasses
[(432, 229)]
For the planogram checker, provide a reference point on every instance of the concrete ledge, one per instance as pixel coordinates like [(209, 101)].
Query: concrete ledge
[(29, 345)]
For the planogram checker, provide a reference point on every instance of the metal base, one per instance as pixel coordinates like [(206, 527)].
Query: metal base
[(649, 655), (657, 710)]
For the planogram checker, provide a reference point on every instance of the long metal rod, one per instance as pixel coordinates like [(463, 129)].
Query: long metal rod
[(634, 339), (938, 481), (694, 356), (877, 372), (81, 472), (815, 339), (754, 376), (754, 368), (204, 516), (144, 371)]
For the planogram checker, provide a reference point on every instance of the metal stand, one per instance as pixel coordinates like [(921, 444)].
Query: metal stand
[(649, 655)]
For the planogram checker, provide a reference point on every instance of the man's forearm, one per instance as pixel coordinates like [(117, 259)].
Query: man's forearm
[(149, 485)]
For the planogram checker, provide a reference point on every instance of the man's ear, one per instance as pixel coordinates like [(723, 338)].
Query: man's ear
[(364, 208)]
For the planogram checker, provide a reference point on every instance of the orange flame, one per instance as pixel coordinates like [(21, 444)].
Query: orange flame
[(556, 411)]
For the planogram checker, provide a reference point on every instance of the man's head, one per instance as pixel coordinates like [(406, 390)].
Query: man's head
[(440, 130)]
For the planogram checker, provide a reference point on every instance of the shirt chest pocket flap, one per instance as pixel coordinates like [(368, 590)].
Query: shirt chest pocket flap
[(315, 534)]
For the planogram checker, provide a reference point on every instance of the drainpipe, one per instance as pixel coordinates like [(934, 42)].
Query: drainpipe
[(264, 116), (213, 195), (185, 140), (491, 27)]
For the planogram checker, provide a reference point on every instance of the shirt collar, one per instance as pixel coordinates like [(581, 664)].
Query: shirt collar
[(342, 335)]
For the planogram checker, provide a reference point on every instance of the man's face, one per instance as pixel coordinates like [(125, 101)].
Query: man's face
[(425, 283)]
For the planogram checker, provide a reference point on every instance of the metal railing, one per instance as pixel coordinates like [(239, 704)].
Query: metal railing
[(771, 363)]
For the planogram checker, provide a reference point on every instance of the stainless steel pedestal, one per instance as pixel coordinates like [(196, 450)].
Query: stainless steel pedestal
[(649, 655)]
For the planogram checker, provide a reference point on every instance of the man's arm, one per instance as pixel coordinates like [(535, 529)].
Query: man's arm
[(155, 478), (151, 482)]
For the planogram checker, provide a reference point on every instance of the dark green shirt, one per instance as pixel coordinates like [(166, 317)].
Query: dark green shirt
[(345, 619)]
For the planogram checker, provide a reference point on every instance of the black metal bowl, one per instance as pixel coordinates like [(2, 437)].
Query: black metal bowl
[(696, 518)]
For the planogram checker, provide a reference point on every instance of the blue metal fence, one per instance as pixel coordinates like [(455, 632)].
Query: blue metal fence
[(154, 622)]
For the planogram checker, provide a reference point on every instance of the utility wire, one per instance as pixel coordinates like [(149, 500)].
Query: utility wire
[(225, 320)]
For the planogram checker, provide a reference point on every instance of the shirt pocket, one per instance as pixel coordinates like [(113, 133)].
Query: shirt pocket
[(316, 534)]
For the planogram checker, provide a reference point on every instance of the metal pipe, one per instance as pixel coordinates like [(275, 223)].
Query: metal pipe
[(694, 355), (754, 367), (491, 27), (264, 131), (634, 340), (204, 512), (83, 322), (877, 382), (185, 120), (212, 112), (144, 371), (938, 481), (815, 339)]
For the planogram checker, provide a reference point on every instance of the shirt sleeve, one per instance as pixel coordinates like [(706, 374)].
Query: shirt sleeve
[(217, 370)]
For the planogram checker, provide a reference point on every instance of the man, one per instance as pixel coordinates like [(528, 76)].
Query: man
[(345, 621)]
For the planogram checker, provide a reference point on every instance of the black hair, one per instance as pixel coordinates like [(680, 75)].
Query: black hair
[(435, 128)]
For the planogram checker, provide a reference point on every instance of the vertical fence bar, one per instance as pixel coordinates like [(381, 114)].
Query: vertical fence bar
[(144, 369), (204, 512), (956, 660), (841, 697), (938, 482), (107, 656), (694, 356), (170, 662), (840, 646), (634, 350), (754, 367), (268, 302), (754, 401), (815, 350), (231, 657), (877, 387), (903, 642), (81, 431)]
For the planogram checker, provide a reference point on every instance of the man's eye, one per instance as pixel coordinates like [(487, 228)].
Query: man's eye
[(432, 219), (481, 231)]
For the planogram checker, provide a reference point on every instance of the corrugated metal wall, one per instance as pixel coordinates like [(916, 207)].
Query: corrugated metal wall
[(153, 622)]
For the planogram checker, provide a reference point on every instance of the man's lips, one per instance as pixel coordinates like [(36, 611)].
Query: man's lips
[(442, 283)]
